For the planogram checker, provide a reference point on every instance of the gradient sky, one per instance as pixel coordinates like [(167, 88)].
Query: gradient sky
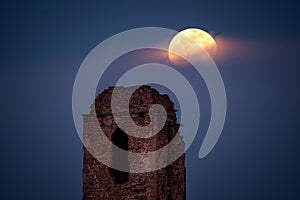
[(43, 44)]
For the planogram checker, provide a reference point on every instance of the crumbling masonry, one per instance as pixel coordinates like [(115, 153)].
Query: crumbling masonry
[(105, 183)]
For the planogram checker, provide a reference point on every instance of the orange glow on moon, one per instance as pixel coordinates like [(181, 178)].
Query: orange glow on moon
[(186, 43)]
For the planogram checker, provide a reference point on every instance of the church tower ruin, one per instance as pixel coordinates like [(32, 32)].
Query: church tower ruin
[(105, 183)]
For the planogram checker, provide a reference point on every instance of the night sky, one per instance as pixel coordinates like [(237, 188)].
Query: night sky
[(43, 44)]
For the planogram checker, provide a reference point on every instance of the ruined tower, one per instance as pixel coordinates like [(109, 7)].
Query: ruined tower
[(103, 182)]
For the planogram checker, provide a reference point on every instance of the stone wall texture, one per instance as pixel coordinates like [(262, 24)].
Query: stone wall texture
[(103, 182)]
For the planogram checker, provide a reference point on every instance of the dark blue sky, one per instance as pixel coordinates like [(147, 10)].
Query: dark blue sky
[(43, 44)]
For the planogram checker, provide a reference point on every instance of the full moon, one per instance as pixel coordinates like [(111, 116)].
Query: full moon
[(186, 43)]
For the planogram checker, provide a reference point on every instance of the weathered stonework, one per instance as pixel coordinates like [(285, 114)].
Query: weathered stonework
[(102, 182)]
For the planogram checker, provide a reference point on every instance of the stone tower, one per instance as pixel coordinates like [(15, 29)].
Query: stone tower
[(103, 182)]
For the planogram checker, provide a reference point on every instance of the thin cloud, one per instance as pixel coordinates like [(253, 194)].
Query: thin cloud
[(234, 48)]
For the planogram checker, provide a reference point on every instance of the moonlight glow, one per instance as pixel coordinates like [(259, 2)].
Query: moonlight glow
[(183, 46)]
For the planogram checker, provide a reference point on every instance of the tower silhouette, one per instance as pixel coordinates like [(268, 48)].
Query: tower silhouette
[(103, 182)]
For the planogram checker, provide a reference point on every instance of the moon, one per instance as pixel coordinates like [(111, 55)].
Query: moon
[(186, 43)]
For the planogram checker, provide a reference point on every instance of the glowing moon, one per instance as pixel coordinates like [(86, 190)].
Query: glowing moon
[(186, 43)]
